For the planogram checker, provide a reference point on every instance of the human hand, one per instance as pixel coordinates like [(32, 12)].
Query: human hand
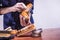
[(24, 21), (18, 7)]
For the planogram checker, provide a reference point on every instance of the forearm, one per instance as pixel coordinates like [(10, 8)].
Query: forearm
[(17, 7), (5, 10)]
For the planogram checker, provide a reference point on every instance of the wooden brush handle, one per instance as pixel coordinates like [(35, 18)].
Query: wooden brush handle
[(24, 30)]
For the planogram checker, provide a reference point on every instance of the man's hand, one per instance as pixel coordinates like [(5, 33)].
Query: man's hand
[(18, 7), (25, 22)]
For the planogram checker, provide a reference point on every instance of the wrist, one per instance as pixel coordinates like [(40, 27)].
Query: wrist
[(10, 9)]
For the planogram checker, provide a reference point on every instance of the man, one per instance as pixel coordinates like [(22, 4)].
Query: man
[(11, 18), (11, 10)]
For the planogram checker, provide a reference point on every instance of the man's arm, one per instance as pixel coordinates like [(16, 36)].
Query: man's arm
[(17, 7), (5, 10)]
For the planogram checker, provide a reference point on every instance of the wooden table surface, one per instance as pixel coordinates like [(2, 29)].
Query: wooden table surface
[(27, 38)]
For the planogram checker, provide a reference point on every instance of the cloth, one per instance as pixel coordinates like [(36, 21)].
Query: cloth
[(12, 18)]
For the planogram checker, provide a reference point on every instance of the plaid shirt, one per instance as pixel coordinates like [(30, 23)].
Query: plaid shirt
[(12, 19)]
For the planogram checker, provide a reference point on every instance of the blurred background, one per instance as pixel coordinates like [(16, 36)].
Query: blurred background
[(47, 13)]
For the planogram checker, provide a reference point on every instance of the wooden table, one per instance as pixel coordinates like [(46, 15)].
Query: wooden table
[(27, 38)]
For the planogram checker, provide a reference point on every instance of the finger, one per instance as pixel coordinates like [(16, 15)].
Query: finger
[(21, 5), (19, 10), (21, 22)]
